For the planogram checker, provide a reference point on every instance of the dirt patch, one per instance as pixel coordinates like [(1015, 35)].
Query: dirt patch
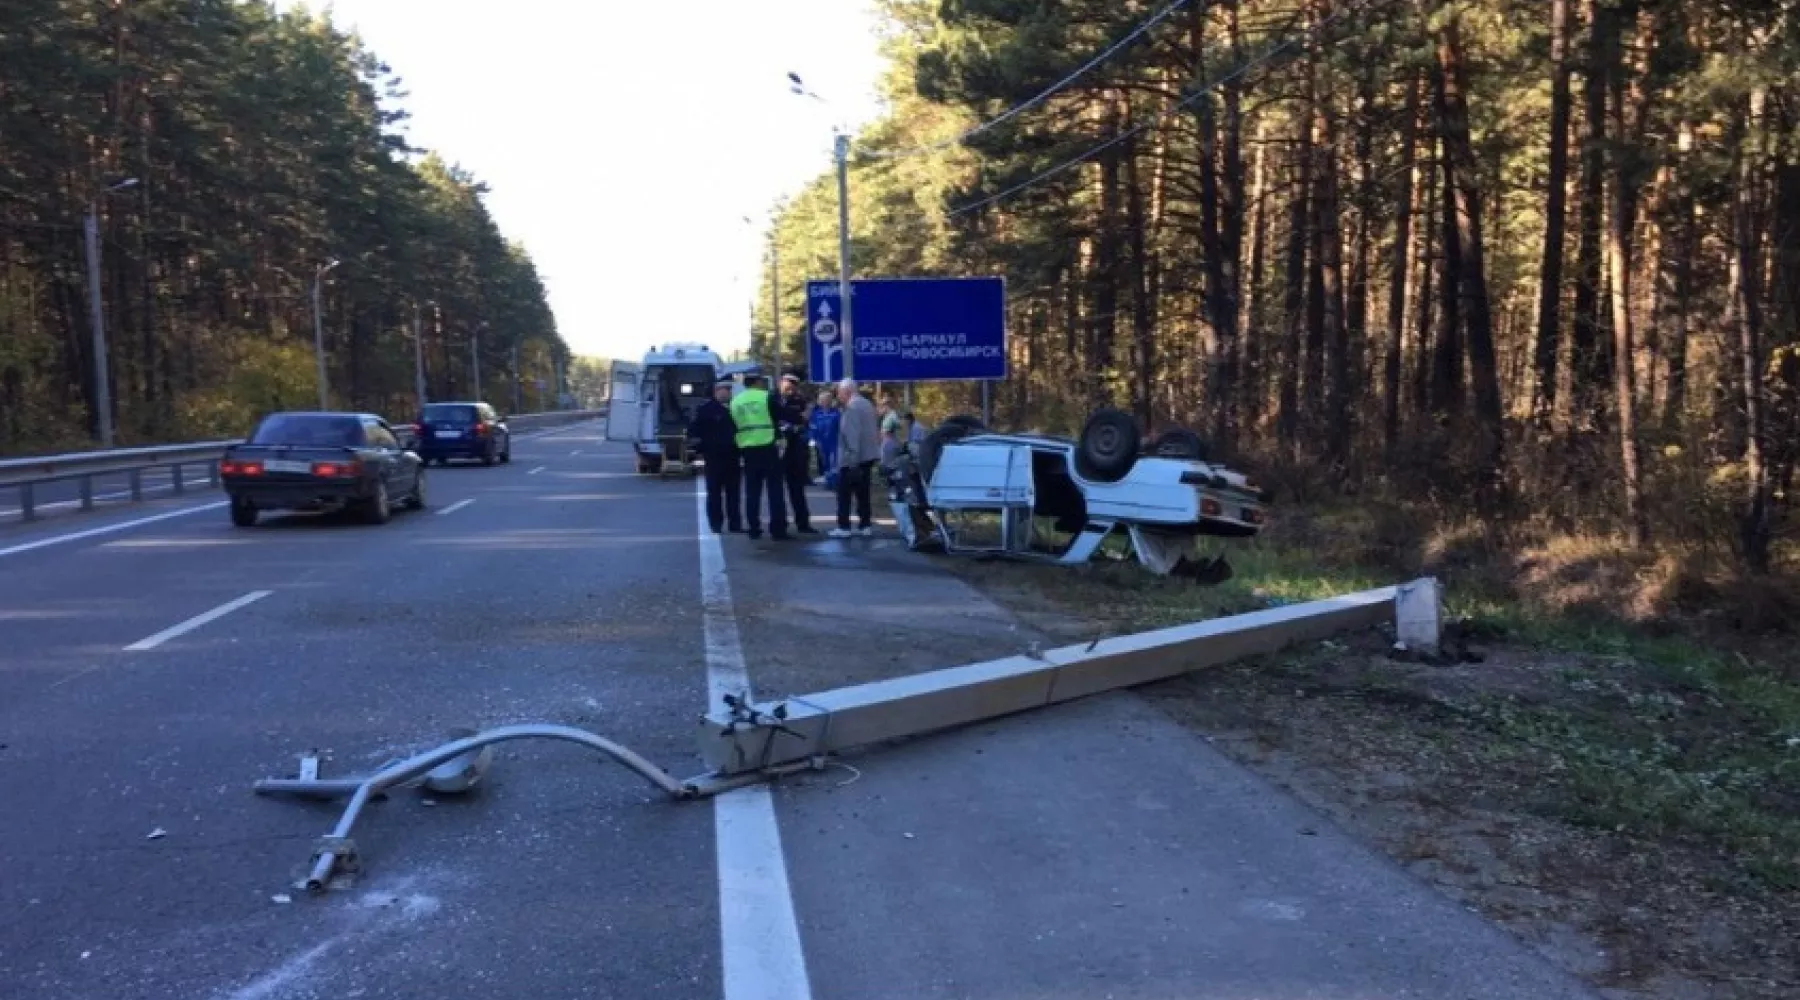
[(1635, 820)]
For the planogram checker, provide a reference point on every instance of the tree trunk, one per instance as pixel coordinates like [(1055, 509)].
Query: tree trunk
[(1621, 217), (1588, 355), (1399, 267), (1756, 530), (1463, 181), (1294, 284), (1549, 326)]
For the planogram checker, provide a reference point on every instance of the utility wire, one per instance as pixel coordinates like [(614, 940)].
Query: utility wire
[(1198, 93), (1010, 113)]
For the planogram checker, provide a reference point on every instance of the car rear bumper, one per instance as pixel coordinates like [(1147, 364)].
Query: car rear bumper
[(455, 447), (297, 496)]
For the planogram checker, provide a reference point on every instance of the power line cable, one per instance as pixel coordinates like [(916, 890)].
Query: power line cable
[(1014, 111), (1147, 123)]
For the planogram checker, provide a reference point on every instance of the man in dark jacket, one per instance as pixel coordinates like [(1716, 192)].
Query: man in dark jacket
[(714, 435), (796, 452)]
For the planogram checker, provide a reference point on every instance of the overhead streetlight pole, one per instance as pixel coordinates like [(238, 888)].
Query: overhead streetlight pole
[(475, 356), (841, 154), (418, 340), (319, 333), (90, 230)]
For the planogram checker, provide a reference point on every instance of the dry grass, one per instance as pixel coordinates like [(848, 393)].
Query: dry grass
[(1620, 775)]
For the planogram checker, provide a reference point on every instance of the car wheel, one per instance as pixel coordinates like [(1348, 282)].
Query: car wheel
[(933, 445), (379, 508), (506, 456), (243, 513), (1108, 446), (487, 457), (417, 500), (1179, 442)]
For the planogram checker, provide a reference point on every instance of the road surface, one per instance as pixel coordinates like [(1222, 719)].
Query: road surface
[(157, 661)]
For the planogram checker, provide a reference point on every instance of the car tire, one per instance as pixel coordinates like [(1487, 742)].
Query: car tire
[(378, 509), (1178, 442), (243, 513), (1108, 446), (416, 501), (487, 456), (933, 445), (506, 456)]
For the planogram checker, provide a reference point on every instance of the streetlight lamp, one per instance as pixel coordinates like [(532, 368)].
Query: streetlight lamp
[(319, 332), (841, 153), (90, 228)]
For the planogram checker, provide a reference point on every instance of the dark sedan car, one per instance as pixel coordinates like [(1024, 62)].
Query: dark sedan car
[(322, 461), (463, 430)]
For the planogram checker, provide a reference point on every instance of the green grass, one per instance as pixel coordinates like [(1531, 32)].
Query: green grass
[(1669, 737)]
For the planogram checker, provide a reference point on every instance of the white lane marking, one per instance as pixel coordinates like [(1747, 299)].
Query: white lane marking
[(75, 536), (758, 934), (572, 454), (278, 979), (537, 470), (195, 622), (458, 505)]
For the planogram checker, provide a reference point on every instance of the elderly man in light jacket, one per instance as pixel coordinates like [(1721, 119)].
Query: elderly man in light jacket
[(859, 448)]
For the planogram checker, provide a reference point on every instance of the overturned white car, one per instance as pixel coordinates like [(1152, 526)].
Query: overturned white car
[(963, 478)]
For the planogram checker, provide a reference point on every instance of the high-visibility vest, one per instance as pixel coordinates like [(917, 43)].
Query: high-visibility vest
[(750, 412)]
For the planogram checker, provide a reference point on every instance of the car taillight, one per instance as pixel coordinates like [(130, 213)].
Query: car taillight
[(1210, 507), (336, 470), (481, 429), (1252, 516), (231, 468)]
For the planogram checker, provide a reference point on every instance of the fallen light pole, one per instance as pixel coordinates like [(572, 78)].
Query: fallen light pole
[(743, 743)]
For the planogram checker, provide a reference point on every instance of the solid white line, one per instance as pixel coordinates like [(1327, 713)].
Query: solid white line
[(458, 505), (572, 454), (75, 536), (537, 470), (198, 620), (758, 934)]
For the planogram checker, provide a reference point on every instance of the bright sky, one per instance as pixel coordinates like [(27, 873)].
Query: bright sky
[(626, 140)]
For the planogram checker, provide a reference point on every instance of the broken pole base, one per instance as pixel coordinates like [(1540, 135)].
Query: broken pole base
[(814, 725)]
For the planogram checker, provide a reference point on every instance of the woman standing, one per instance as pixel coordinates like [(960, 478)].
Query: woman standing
[(823, 430)]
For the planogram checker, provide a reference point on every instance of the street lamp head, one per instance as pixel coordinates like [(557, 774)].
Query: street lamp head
[(794, 78), (129, 182)]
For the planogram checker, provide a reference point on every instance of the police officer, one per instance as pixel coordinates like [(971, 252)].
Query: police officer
[(796, 451), (756, 413), (715, 437)]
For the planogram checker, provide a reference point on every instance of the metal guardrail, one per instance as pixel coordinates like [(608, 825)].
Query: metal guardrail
[(26, 475)]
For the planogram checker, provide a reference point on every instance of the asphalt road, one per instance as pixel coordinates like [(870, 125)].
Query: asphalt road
[(152, 669)]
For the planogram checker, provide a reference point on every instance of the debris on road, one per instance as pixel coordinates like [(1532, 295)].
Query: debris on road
[(156, 834)]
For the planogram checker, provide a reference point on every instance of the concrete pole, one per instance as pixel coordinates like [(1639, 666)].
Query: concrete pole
[(102, 378), (843, 184)]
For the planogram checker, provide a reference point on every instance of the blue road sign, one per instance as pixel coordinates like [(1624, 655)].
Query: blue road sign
[(824, 338), (910, 329)]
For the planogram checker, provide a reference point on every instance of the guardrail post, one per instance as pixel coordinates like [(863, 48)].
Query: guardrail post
[(175, 478), (137, 485), (87, 492), (27, 502)]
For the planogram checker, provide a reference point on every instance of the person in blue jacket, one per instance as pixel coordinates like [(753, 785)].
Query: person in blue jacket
[(823, 429)]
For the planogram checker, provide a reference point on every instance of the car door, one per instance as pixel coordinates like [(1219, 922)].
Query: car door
[(384, 448)]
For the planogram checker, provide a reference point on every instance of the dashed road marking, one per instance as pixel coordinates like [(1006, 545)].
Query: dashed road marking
[(176, 631)]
